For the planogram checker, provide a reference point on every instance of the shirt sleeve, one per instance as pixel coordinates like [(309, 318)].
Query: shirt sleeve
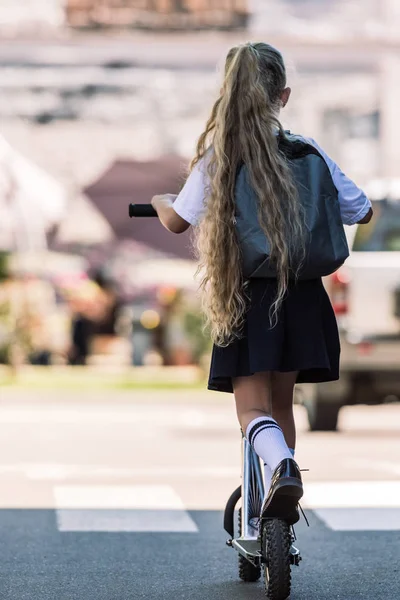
[(354, 204), (190, 203)]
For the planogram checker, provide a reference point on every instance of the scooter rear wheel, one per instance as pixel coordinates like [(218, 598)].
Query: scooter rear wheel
[(276, 542)]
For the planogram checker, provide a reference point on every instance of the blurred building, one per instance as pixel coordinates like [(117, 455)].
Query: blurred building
[(77, 103), (18, 16), (158, 14), (323, 19)]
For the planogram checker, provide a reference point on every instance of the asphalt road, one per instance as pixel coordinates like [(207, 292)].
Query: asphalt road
[(120, 496)]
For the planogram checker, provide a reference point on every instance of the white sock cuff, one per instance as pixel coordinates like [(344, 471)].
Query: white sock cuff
[(257, 424), (254, 422)]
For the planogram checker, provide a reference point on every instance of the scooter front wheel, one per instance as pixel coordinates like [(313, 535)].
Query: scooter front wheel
[(275, 543)]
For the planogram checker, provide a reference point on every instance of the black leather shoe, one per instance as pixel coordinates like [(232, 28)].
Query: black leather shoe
[(284, 494)]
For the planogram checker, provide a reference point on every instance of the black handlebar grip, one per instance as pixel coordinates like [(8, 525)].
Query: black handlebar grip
[(142, 210)]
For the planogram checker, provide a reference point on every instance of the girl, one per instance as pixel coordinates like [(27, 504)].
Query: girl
[(257, 357)]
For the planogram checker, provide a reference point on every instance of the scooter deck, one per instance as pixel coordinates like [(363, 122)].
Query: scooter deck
[(248, 547)]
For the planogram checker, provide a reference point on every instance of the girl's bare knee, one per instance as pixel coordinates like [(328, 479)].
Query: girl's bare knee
[(245, 418)]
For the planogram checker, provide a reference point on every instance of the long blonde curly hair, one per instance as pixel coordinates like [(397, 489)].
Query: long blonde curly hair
[(242, 129)]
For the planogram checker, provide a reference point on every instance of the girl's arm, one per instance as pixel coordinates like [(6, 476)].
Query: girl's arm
[(167, 215), (177, 213), (367, 217)]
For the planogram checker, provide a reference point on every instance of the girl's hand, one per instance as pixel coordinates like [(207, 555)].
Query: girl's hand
[(167, 215), (163, 200)]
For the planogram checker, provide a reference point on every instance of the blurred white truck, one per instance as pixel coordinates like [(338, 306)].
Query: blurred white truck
[(365, 294)]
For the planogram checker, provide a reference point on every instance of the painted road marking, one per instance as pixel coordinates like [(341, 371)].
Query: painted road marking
[(156, 508), (352, 494), (360, 519), (355, 505), (155, 521)]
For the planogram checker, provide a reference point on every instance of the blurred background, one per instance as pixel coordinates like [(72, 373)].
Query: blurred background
[(101, 104), (106, 425)]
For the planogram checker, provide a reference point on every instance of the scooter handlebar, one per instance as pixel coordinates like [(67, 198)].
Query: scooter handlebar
[(142, 210)]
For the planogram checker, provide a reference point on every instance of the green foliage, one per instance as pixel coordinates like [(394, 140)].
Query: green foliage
[(4, 354), (14, 334), (3, 265), (5, 337), (200, 341)]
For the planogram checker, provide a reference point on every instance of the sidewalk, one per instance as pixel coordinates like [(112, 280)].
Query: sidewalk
[(102, 376)]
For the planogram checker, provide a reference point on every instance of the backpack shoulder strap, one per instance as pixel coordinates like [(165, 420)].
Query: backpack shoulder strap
[(294, 146)]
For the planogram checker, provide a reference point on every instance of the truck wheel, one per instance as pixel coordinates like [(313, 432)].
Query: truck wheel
[(322, 415)]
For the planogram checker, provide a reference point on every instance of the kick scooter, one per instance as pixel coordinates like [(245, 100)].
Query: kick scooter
[(262, 544)]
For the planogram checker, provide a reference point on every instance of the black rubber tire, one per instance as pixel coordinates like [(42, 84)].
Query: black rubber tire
[(322, 416), (276, 542), (247, 571)]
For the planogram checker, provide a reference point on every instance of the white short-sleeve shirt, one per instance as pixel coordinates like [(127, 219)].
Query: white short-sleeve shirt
[(190, 203)]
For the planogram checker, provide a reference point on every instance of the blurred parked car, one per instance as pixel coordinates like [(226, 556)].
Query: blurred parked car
[(365, 294)]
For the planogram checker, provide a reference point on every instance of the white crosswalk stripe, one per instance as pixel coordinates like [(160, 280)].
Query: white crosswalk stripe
[(355, 505), (341, 505), (151, 508), (155, 521), (360, 519)]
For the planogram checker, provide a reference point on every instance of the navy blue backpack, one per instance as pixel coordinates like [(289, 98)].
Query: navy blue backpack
[(326, 244)]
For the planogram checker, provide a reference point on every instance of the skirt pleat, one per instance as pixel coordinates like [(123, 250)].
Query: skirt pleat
[(305, 339)]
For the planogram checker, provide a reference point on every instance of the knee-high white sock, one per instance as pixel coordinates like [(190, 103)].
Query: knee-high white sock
[(268, 474), (267, 439)]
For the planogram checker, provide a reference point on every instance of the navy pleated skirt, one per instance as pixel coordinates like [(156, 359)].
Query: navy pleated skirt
[(305, 339)]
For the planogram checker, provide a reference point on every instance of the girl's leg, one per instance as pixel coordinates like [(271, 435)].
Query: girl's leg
[(282, 387), (253, 407), (267, 394), (252, 397)]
